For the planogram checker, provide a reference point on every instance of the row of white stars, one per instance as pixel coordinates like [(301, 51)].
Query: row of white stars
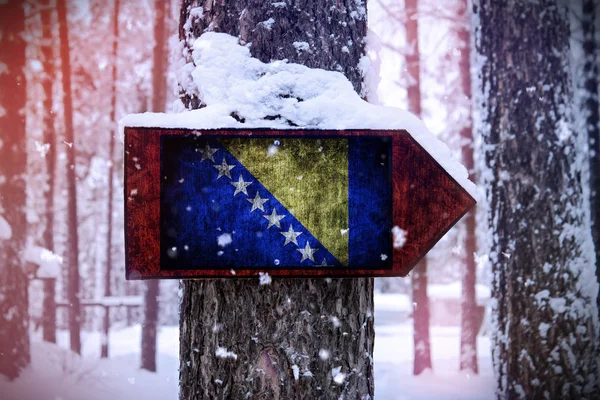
[(257, 202)]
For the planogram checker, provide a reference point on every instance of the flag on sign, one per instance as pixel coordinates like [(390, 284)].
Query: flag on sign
[(269, 202)]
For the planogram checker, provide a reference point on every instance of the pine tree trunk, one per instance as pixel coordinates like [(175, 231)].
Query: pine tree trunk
[(47, 49), (468, 305), (592, 111), (291, 335), (544, 284), (14, 317), (418, 278), (73, 295), (159, 85)]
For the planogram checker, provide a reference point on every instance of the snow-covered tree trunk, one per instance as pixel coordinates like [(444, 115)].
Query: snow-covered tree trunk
[(592, 116), (468, 304), (14, 317), (73, 295), (544, 285), (294, 338), (159, 89), (47, 49), (418, 277)]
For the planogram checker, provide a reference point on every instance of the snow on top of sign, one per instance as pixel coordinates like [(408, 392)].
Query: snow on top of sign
[(242, 92)]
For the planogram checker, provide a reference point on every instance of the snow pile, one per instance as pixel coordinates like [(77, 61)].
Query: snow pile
[(242, 92), (56, 373)]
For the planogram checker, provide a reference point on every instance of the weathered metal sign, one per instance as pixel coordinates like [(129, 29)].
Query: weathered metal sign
[(233, 203)]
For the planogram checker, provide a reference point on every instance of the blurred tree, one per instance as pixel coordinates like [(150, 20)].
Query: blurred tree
[(592, 117), (468, 307), (73, 294), (544, 285), (418, 276), (159, 98), (14, 317), (290, 320), (110, 173), (47, 45)]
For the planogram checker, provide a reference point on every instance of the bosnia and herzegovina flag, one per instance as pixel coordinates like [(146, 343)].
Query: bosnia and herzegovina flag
[(269, 202)]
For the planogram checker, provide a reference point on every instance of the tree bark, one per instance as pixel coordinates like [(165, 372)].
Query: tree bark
[(73, 295), (289, 337), (47, 49), (14, 317), (422, 347), (544, 286), (468, 305), (592, 120), (159, 85)]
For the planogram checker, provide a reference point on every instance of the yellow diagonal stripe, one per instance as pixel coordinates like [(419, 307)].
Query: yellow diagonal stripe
[(309, 177)]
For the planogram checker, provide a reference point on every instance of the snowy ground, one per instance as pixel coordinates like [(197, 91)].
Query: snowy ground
[(56, 374)]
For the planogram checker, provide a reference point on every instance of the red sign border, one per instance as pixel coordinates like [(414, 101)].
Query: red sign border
[(142, 201)]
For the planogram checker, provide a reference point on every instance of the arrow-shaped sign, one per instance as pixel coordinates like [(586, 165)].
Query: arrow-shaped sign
[(224, 203)]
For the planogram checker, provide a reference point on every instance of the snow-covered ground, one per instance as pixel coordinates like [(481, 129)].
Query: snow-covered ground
[(56, 374)]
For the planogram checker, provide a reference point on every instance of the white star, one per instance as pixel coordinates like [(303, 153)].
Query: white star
[(257, 202), (290, 236), (207, 153), (240, 186), (224, 169), (307, 252), (274, 219), (324, 263)]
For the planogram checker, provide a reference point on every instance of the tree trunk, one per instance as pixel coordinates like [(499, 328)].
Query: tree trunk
[(422, 348), (47, 48), (73, 295), (421, 342), (292, 335), (592, 120), (544, 286), (150, 326), (468, 305), (14, 317), (111, 173), (159, 85)]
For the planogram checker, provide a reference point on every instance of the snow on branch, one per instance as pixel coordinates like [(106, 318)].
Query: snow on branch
[(239, 91), (49, 263), (5, 229)]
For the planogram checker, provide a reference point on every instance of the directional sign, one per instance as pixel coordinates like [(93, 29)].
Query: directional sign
[(298, 203)]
